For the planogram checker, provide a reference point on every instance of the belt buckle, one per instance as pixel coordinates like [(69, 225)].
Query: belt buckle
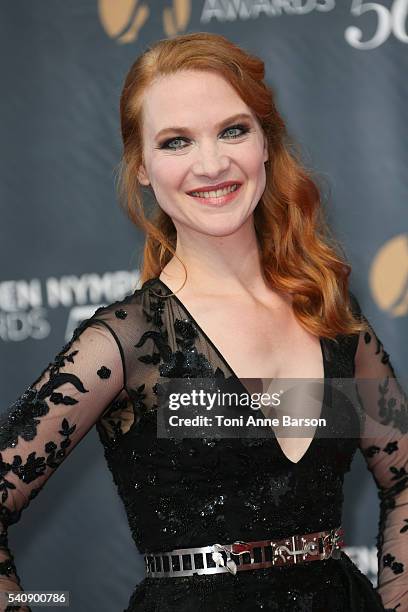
[(299, 546)]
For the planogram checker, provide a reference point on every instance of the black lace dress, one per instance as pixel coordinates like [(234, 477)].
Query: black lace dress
[(194, 492)]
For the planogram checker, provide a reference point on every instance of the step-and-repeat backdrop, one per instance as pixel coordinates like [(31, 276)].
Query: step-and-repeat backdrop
[(339, 70)]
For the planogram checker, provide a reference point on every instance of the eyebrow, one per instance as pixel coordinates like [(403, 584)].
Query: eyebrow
[(186, 130)]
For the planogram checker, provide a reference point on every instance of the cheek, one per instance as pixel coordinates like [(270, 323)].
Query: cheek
[(250, 159), (169, 171)]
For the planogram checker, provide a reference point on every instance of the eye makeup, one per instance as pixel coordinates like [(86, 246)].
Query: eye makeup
[(243, 128)]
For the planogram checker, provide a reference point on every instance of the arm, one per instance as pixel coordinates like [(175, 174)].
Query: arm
[(384, 445), (40, 429)]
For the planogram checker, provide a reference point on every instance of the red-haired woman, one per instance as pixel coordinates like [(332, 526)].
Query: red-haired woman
[(240, 281)]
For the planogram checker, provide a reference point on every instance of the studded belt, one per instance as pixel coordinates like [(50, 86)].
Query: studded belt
[(240, 556)]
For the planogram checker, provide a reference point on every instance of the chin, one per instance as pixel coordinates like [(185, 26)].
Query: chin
[(218, 230)]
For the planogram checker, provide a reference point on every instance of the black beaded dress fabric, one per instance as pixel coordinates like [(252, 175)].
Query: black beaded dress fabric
[(182, 493)]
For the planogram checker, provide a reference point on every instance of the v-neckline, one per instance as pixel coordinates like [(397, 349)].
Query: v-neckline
[(236, 377)]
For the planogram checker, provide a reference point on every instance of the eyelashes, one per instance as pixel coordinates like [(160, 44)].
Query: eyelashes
[(244, 129)]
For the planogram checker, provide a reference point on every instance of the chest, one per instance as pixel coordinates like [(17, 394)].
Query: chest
[(260, 342)]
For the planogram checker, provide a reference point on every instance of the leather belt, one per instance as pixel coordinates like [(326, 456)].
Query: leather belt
[(240, 556)]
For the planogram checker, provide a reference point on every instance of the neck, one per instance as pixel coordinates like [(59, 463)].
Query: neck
[(216, 265)]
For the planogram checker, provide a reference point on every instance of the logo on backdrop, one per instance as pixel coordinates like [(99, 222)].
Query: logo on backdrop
[(25, 304), (371, 23), (388, 276), (123, 19), (387, 21)]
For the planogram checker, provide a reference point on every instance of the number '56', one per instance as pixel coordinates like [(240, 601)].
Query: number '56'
[(388, 20)]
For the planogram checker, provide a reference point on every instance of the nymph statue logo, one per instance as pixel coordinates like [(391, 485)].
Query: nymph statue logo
[(124, 19), (389, 276)]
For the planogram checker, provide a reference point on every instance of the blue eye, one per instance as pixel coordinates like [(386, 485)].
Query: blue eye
[(242, 128), (166, 145)]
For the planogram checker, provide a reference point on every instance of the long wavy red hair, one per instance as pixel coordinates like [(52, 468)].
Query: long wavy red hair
[(299, 255)]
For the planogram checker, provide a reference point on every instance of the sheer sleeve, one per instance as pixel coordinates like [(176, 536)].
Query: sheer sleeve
[(384, 445), (40, 429)]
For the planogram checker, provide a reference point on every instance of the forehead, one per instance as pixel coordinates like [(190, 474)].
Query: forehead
[(189, 98)]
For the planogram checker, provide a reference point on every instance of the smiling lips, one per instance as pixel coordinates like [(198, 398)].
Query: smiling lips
[(208, 188), (218, 194)]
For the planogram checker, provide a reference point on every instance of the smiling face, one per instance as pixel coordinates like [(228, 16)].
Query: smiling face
[(221, 142)]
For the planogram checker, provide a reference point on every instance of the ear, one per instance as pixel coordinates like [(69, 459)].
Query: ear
[(266, 153), (142, 176)]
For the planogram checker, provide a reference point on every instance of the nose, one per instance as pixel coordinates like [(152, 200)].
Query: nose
[(210, 161)]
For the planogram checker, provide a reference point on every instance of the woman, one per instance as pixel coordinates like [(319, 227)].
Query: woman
[(240, 281)]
